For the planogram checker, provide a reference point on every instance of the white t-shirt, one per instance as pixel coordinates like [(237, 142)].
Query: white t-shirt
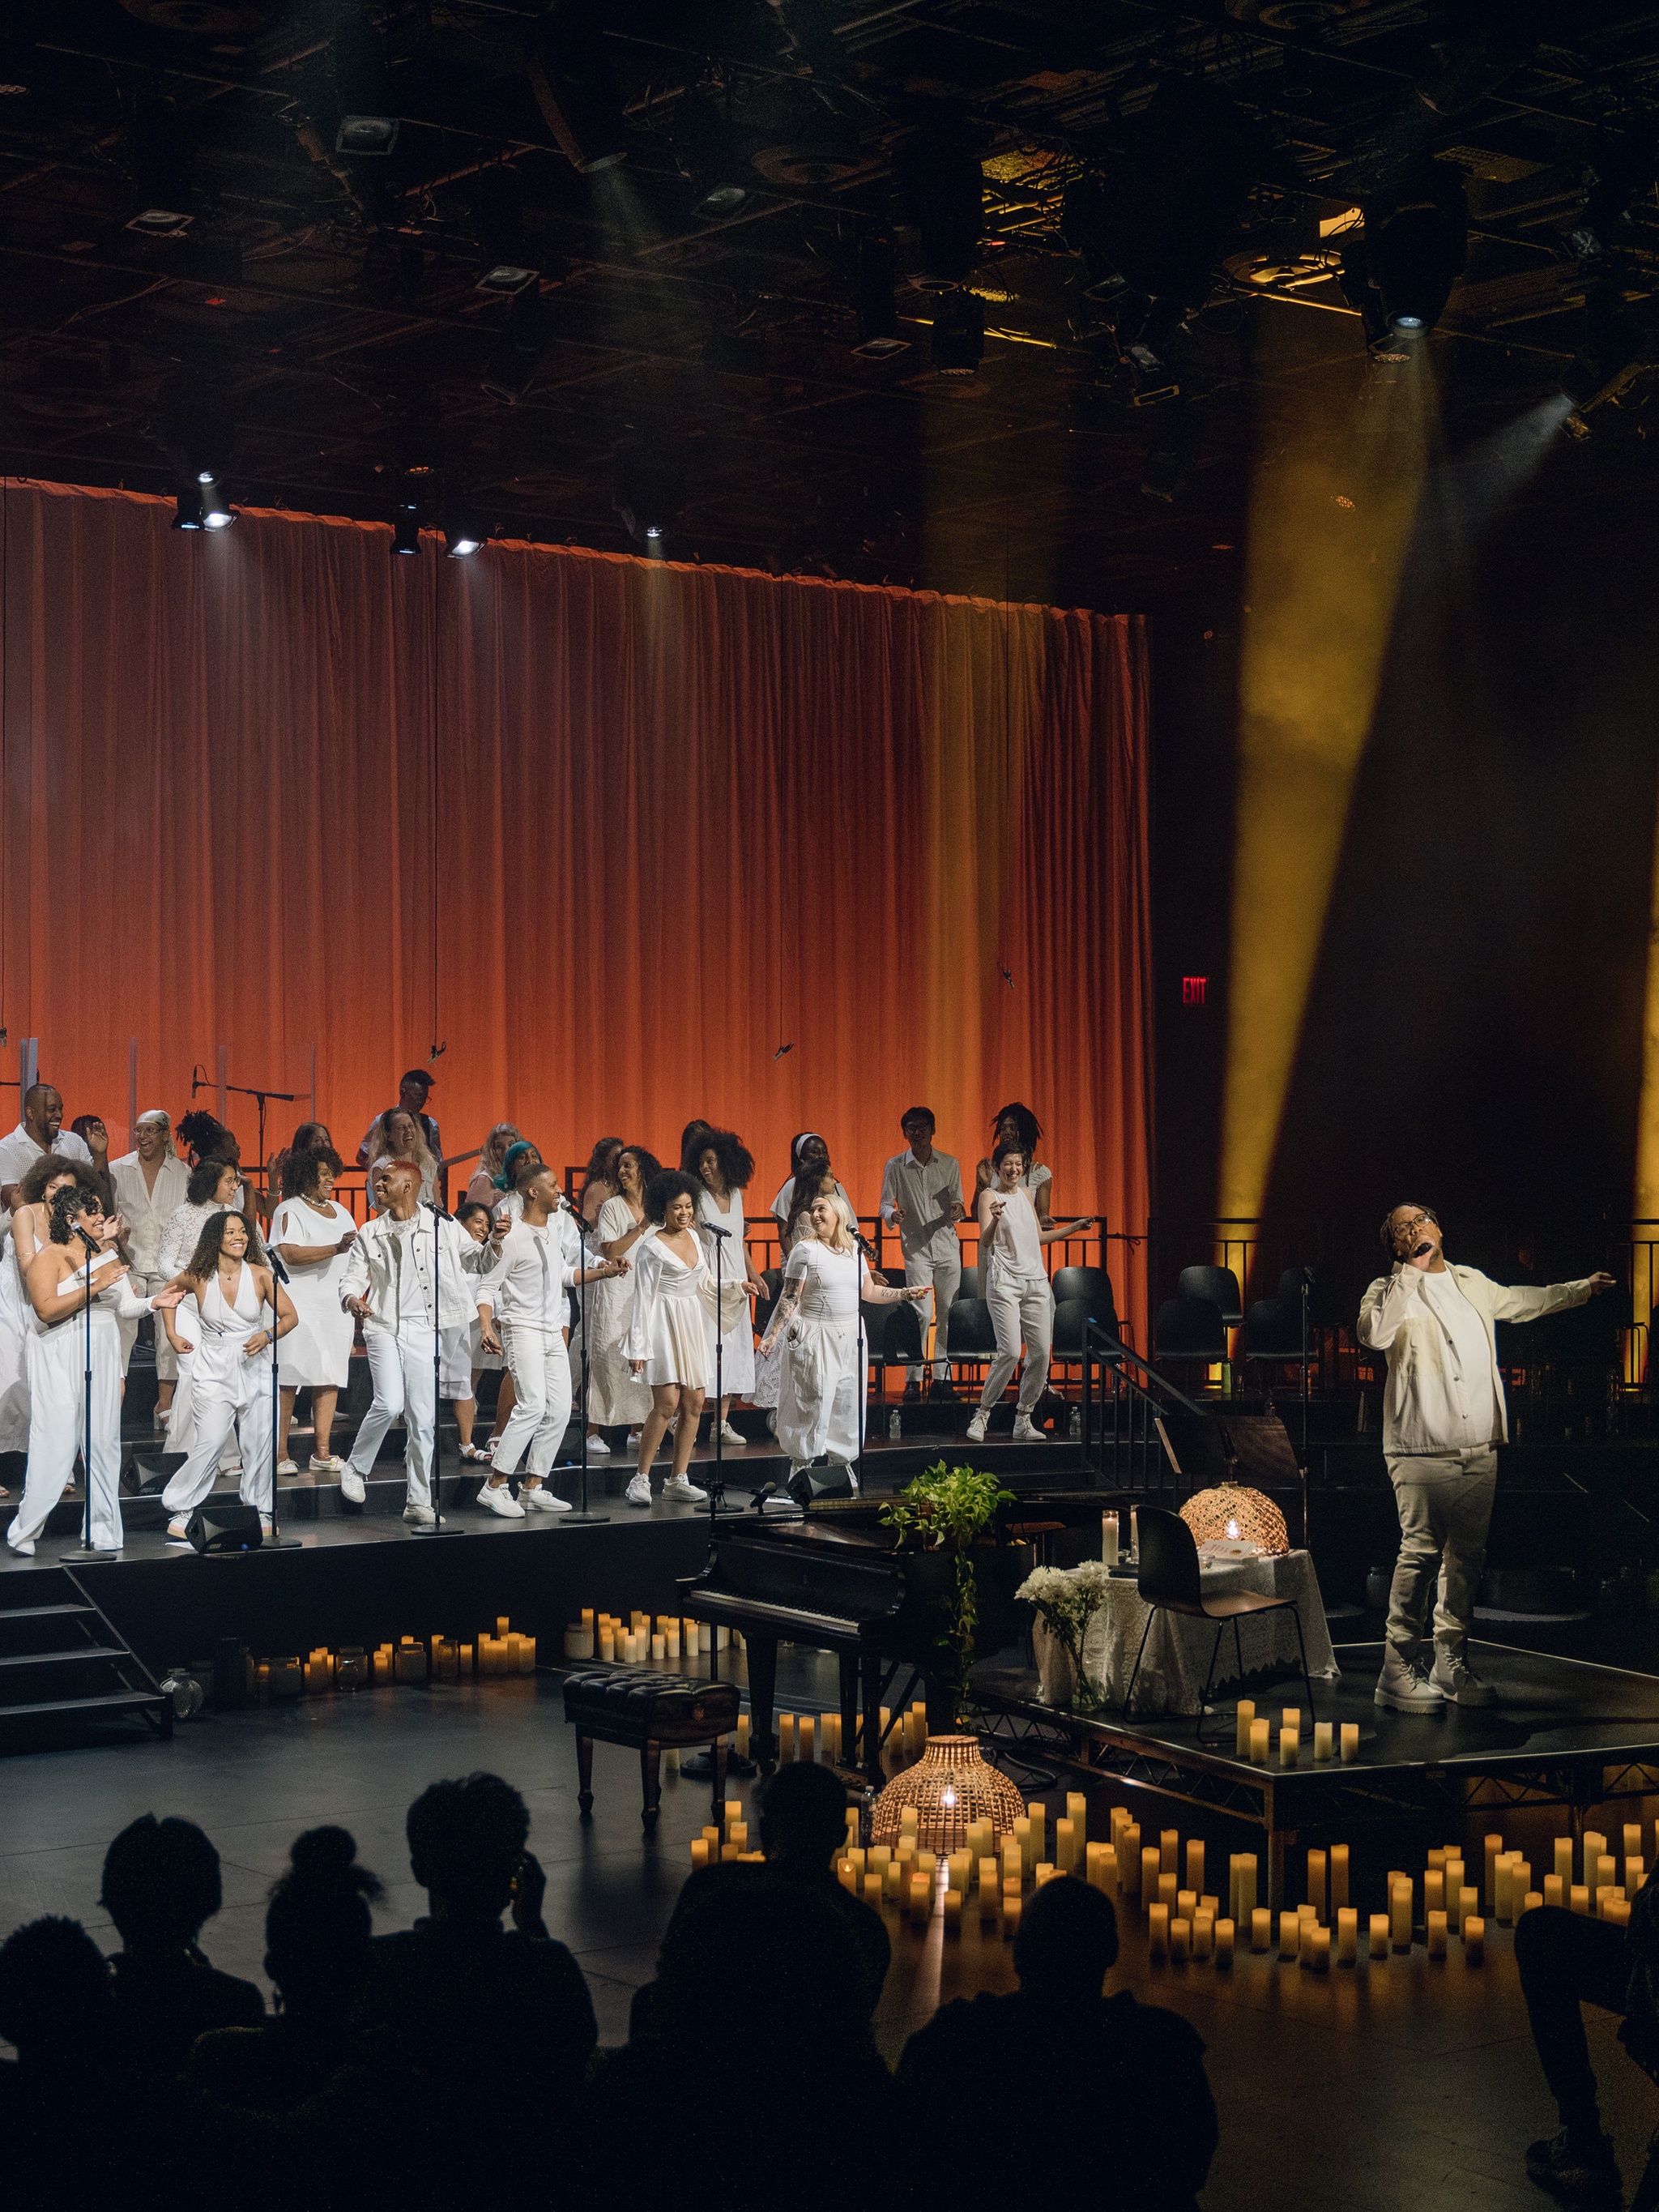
[(525, 1287), (1470, 1365)]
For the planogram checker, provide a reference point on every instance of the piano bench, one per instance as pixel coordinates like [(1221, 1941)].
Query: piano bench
[(633, 1706)]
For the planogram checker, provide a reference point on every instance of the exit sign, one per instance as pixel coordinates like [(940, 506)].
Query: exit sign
[(1194, 989)]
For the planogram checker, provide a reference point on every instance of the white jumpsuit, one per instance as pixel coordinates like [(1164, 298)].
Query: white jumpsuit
[(230, 1391), (57, 1359), (821, 1400), (615, 1394), (737, 1377), (1021, 1301), (525, 1291), (178, 1240)]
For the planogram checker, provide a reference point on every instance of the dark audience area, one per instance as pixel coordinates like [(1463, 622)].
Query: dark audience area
[(457, 2061)]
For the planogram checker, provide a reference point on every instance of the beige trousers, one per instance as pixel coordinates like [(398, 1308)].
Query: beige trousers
[(1444, 1501)]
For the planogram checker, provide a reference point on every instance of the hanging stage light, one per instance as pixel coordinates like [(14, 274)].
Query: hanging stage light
[(217, 512), (959, 334), (464, 539), (1399, 271), (708, 154), (571, 77), (188, 507), (367, 136), (406, 523), (938, 177), (878, 337)]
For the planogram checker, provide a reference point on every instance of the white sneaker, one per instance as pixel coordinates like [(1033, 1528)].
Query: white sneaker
[(423, 1516), (536, 1497), (1459, 1684), (1027, 1432), (331, 1465), (1403, 1687), (731, 1436), (351, 1487), (977, 1427), (179, 1528), (288, 1466), (633, 1436), (683, 1493), (638, 1492), (23, 1546), (497, 1498), (264, 1524), (598, 1448)]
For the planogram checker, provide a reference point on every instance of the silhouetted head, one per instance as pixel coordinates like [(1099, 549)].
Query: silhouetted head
[(161, 1883), (318, 1924), (56, 1995), (756, 1956), (1067, 1940), (803, 1817), (465, 1842)]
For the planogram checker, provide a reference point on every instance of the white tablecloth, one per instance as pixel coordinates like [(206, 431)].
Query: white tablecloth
[(1178, 1653)]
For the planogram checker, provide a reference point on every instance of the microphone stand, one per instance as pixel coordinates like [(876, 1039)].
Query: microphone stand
[(244, 1090), (86, 1549), (275, 1541), (439, 1526), (863, 1250), (582, 1518), (717, 1504)]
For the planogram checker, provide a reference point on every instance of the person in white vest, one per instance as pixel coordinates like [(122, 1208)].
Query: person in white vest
[(921, 1199), (1444, 1417), (149, 1181), (81, 1265), (389, 1285), (524, 1315)]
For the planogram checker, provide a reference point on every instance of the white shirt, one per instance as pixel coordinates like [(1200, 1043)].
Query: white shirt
[(147, 1212), (929, 1192), (19, 1151), (1014, 1238), (525, 1287), (1474, 1401)]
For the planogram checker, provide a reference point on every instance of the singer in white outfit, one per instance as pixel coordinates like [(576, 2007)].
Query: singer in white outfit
[(824, 1379), (230, 1374), (81, 1267), (1017, 1288), (667, 1344), (311, 1232), (40, 1131), (388, 1284), (616, 1394), (725, 1167), (150, 1182), (30, 1230), (524, 1313), (214, 1186), (921, 1198)]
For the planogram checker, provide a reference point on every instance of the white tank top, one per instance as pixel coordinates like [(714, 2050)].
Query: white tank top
[(1016, 1240)]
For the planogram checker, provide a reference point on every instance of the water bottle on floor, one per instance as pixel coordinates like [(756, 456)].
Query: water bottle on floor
[(895, 1426)]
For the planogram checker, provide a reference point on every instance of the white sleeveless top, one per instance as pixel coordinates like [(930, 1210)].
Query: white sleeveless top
[(1015, 1239)]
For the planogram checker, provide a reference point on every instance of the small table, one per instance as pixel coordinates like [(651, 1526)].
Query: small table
[(1178, 1655)]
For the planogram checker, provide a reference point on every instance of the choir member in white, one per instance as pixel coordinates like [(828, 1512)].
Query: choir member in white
[(399, 1135), (472, 1219), (312, 1234), (921, 1199), (486, 1186), (389, 1285), (824, 1378), (599, 1186), (40, 1131), (30, 1228), (237, 1296), (809, 1156), (414, 1088), (214, 1187), (150, 1182), (1014, 1124), (616, 1395), (795, 1222), (725, 1167), (667, 1346), (80, 1268), (1017, 1288), (524, 1313)]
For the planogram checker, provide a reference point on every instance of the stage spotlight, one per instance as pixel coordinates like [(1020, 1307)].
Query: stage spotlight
[(510, 369), (647, 491), (938, 177), (463, 539), (1399, 271), (506, 280), (363, 128), (959, 334), (368, 136), (188, 507), (708, 156), (217, 510), (160, 223), (878, 337), (571, 77)]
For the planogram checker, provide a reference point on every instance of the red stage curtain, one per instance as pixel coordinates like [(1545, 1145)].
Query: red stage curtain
[(612, 830)]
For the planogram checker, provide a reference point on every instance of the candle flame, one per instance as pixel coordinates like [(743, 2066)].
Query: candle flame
[(1232, 1528), (949, 1796)]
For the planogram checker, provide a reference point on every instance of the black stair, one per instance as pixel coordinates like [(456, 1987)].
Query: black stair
[(61, 1659)]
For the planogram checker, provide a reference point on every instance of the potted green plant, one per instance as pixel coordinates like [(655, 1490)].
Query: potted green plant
[(950, 1510)]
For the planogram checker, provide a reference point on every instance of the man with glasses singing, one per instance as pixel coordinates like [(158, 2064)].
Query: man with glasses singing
[(1443, 1418)]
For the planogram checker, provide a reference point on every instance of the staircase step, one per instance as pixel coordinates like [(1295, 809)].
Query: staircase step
[(124, 1701), (61, 1658), (44, 1611)]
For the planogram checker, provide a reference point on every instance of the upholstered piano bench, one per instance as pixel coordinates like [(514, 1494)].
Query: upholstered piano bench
[(631, 1705)]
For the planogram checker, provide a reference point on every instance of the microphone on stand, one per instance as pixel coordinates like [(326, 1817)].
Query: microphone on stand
[(277, 1267), (714, 1231), (91, 1242), (864, 1244)]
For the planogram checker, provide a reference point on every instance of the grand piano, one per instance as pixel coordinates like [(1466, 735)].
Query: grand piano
[(837, 1581)]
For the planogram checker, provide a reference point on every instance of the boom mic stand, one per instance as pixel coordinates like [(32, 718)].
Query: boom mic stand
[(275, 1541), (582, 1518), (439, 1526), (244, 1091), (86, 1549), (717, 1504)]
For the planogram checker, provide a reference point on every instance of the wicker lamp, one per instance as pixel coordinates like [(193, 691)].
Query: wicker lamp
[(1230, 1512), (950, 1785)]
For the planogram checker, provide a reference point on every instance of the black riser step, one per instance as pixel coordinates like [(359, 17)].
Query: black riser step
[(63, 1658), (45, 1612), (108, 1701)]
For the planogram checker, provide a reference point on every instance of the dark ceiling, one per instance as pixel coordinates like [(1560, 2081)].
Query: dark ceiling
[(1086, 176)]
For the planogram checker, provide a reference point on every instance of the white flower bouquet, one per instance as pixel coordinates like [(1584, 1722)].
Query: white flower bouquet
[(1067, 1599)]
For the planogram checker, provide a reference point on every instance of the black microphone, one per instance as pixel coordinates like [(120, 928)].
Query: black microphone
[(1427, 1245), (91, 1242), (433, 1206), (864, 1244), (276, 1267), (713, 1230)]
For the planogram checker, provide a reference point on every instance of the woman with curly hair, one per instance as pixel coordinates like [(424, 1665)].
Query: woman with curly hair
[(230, 1378), (667, 1345), (30, 1229), (213, 1188), (724, 1167), (312, 1232), (397, 1135)]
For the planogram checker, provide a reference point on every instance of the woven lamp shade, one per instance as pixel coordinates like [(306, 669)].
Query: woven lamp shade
[(1231, 1510), (950, 1785)]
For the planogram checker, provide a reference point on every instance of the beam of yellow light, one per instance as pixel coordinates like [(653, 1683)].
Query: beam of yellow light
[(1335, 490)]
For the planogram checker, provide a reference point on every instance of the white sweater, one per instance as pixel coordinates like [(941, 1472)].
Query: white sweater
[(1421, 1412)]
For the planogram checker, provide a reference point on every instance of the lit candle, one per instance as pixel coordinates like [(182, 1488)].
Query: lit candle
[(1169, 1851), (1474, 1940), (699, 1852), (658, 1649), (1616, 1909), (1244, 1887), (990, 1892), (1077, 1812), (1492, 1846), (672, 1640), (1436, 1922), (892, 1877), (1316, 1948), (738, 1833), (1157, 1931), (1554, 1891), (607, 1650), (587, 1616), (1289, 1746), (1322, 1742), (1521, 1882), (1348, 1740), (959, 1869), (1169, 1891), (1529, 1903), (742, 1735), (953, 1912), (1633, 1840), (1400, 1903), (1025, 1843), (786, 1736), (1181, 1941), (1094, 1865), (1290, 1935), (1260, 1733), (1347, 1936), (1196, 1863), (1564, 1861), (1242, 1729), (1128, 1857), (1377, 1938), (1225, 1935), (1065, 1846), (921, 1896), (503, 1625), (1579, 1899), (1290, 1717), (1455, 1894), (1339, 1877), (1594, 1844), (1187, 1902), (806, 1731), (1261, 1929), (1203, 1934), (1009, 1919), (1434, 1890), (1635, 1874), (1316, 1883), (1109, 1539), (879, 1858), (1149, 1876)]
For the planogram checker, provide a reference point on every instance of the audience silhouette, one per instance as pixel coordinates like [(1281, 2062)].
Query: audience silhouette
[(63, 2109), (160, 1884)]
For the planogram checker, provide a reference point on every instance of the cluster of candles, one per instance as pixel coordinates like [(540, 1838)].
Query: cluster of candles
[(641, 1640), (1254, 1738), (995, 1875), (715, 1845), (358, 1666)]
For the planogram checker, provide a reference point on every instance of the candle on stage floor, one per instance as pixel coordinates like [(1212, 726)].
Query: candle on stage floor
[(1529, 1903), (1316, 1948), (1594, 1844), (989, 1883), (1094, 1865), (1474, 1940), (1261, 1929), (1242, 1887), (786, 1736), (806, 1732), (1615, 1910), (1348, 1740), (1065, 1846), (1555, 1891), (1181, 1941), (952, 1903), (1009, 1919), (1455, 1894), (1564, 1861), (1636, 1870), (1169, 1851), (921, 1896), (1491, 1849), (873, 1889), (1339, 1877), (1109, 1539), (1376, 1937), (659, 1649), (1399, 1908), (1347, 1936), (1245, 1715), (1434, 1890), (1520, 1883), (1436, 1922), (1579, 1899), (1203, 1934), (1187, 1902), (742, 1735), (1260, 1733), (699, 1852), (1157, 1931), (1317, 1891), (1025, 1843), (1195, 1863), (1290, 1935), (1290, 1747), (1077, 1812), (1169, 1891), (1632, 1839), (1149, 1876), (1128, 1858), (1225, 1935), (1322, 1742)]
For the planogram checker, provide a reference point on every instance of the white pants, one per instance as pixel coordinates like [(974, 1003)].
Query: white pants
[(1020, 1305), (218, 1410), (1445, 1501), (400, 1368), (57, 1419), (945, 1274), (540, 1367)]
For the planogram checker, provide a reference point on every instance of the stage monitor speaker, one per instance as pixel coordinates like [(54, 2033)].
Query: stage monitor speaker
[(225, 1529)]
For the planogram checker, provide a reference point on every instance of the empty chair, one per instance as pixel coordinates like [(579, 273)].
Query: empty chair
[(1273, 1330), (892, 1334), (1092, 1284), (1219, 1284), (1190, 1328), (1170, 1581), (972, 1284), (969, 1338)]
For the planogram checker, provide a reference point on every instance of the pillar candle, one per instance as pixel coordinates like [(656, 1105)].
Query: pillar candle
[(1520, 1883), (1290, 1717), (1339, 1870), (738, 1833), (659, 1649), (786, 1736), (1376, 1937), (891, 1878), (1243, 1898), (1435, 1924), (1474, 1940), (1181, 1941), (879, 1858), (1157, 1930), (1492, 1846), (1316, 1952), (1434, 1890), (1290, 1935), (1317, 1891), (1149, 1876), (1579, 1899), (699, 1852), (1594, 1844), (1260, 1733), (990, 1890), (844, 1875), (1322, 1742), (742, 1735), (1347, 1936), (910, 1821), (607, 1650), (1349, 1741), (1290, 1747), (1009, 1919), (987, 1876), (921, 1896), (1187, 1902), (1245, 1715), (1564, 1861), (1635, 1874), (1614, 1909), (805, 1736), (952, 1911), (1109, 1539), (1529, 1903), (1399, 1908), (1554, 1891), (1038, 1817), (1196, 1863), (855, 1858), (1128, 1858), (1065, 1846), (1203, 1934), (1025, 1843), (1632, 1839), (1225, 1933), (1261, 1929), (1094, 1865), (1454, 1906), (959, 1867), (1169, 1851), (1168, 1891)]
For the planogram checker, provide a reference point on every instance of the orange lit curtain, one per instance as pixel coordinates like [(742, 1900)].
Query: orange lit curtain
[(684, 816)]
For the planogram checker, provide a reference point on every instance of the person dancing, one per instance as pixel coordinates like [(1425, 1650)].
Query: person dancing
[(524, 1313), (148, 1182), (666, 1345), (31, 1228), (921, 1198), (616, 1396), (214, 1186), (80, 1268), (312, 1233), (230, 1374), (725, 1167), (816, 1181), (472, 1219), (1016, 1290), (808, 1155), (388, 1284), (825, 1373)]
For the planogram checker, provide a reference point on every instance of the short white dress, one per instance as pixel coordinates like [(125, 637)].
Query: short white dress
[(616, 1396), (821, 1400), (671, 1300), (317, 1350), (738, 1351), (16, 1327)]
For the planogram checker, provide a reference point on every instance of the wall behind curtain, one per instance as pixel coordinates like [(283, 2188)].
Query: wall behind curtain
[(684, 816)]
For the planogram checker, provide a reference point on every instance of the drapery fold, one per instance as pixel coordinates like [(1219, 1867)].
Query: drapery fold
[(612, 831)]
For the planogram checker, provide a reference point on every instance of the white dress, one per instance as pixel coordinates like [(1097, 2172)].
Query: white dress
[(669, 1301), (738, 1351), (317, 1350), (615, 1394), (821, 1400), (16, 1327)]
